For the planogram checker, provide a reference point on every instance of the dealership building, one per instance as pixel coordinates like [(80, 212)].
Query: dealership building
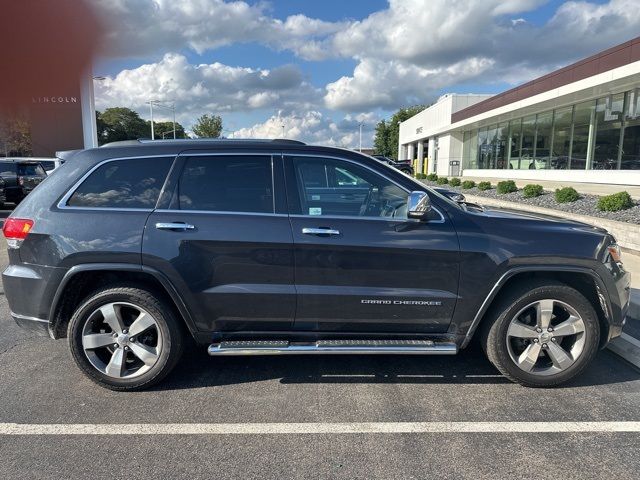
[(580, 123)]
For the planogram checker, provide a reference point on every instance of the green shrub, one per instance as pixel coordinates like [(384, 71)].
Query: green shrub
[(420, 176), (484, 186), (467, 184), (443, 181), (455, 182), (432, 177), (615, 202), (566, 195), (532, 190), (506, 186)]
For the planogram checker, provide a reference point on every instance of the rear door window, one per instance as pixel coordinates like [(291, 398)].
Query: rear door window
[(130, 183), (235, 183)]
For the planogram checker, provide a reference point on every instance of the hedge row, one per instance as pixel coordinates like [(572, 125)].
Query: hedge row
[(610, 203)]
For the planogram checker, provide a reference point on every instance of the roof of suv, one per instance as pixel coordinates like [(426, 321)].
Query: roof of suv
[(146, 147)]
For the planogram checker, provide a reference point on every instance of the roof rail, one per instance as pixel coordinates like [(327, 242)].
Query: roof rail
[(139, 141)]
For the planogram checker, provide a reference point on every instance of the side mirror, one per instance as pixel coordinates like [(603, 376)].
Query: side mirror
[(419, 205)]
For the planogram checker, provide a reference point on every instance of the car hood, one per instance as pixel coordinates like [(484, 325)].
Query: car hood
[(506, 213)]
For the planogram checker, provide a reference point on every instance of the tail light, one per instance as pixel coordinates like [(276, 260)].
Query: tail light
[(16, 230)]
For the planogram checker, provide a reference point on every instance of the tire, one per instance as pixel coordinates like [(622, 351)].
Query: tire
[(516, 343), (127, 362)]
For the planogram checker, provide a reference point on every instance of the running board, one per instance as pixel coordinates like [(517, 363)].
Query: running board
[(338, 347)]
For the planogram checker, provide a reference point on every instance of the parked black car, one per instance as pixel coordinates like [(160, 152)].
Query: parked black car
[(276, 247), (20, 177), (402, 165)]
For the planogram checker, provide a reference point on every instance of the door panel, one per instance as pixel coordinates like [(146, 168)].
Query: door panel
[(373, 272), (234, 268), (235, 271)]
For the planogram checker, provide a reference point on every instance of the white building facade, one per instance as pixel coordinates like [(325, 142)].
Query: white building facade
[(580, 123)]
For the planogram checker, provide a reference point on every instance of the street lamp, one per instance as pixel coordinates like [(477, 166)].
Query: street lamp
[(360, 127), (159, 104)]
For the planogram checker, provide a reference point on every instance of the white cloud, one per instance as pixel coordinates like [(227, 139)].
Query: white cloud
[(409, 51), (143, 27), (316, 128), (406, 53), (207, 88), (390, 84)]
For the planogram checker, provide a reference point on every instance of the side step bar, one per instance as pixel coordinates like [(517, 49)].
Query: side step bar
[(337, 347)]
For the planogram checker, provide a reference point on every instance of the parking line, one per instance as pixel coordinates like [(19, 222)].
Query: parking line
[(315, 428)]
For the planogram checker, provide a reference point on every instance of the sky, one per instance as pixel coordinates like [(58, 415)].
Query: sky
[(320, 68)]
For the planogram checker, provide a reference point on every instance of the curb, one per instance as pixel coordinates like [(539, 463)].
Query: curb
[(626, 347)]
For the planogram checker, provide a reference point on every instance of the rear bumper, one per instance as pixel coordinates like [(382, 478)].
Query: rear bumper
[(32, 324), (30, 290)]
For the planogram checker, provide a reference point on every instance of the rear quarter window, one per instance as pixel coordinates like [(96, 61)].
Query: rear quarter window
[(7, 169), (128, 183)]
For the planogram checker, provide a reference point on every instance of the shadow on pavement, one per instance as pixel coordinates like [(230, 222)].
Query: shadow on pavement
[(198, 370)]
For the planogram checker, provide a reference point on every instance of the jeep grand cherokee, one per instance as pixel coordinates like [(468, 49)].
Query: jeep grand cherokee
[(277, 247)]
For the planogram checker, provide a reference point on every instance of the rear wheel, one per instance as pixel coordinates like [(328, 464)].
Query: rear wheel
[(125, 338), (541, 335)]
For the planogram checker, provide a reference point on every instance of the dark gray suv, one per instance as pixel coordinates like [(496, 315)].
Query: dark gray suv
[(277, 247)]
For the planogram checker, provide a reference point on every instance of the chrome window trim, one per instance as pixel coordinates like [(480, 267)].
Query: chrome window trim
[(62, 204), (220, 212), (308, 155)]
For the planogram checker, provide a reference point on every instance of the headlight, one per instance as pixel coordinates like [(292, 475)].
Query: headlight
[(615, 253)]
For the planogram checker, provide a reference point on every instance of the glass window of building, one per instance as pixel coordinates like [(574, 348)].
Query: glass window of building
[(580, 143), (542, 151), (490, 159), (606, 150), (515, 137), (561, 149), (630, 158), (500, 143), (483, 148), (470, 149), (528, 138)]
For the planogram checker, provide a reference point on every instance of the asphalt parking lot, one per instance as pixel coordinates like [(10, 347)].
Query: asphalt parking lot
[(295, 417)]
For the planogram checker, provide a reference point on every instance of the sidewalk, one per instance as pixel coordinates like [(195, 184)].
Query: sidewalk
[(586, 188)]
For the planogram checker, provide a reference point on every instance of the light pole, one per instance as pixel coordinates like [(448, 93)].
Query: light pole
[(171, 107), (283, 130), (360, 127), (151, 112)]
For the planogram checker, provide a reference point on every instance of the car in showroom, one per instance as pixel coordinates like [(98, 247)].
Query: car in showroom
[(21, 176), (137, 250)]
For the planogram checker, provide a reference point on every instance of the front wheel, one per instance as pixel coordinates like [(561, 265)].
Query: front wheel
[(125, 338), (541, 335)]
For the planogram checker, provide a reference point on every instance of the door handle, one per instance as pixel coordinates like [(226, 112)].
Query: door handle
[(320, 231), (174, 226)]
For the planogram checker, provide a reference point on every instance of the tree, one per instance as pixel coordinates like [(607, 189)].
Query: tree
[(15, 137), (381, 140), (120, 123), (208, 126), (387, 135), (166, 128)]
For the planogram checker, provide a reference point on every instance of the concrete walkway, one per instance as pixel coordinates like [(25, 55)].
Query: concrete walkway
[(586, 188)]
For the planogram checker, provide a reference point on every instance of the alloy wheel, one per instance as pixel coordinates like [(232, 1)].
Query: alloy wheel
[(546, 337), (122, 340)]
